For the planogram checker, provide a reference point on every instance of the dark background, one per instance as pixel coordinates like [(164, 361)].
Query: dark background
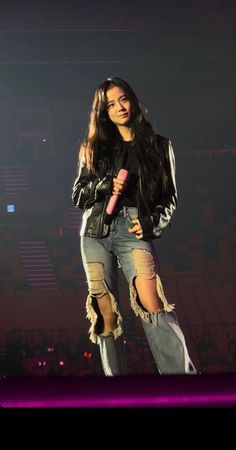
[(179, 56)]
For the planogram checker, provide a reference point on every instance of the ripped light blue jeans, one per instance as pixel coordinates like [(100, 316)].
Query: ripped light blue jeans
[(101, 260)]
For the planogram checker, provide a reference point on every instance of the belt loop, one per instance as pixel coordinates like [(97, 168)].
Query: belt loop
[(124, 211)]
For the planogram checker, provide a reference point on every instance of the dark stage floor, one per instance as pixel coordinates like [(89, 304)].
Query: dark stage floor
[(142, 391)]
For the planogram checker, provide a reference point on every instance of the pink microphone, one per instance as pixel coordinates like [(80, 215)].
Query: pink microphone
[(122, 175)]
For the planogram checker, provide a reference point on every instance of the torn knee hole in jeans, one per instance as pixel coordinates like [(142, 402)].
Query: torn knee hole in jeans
[(97, 289), (144, 263), (96, 283), (145, 268)]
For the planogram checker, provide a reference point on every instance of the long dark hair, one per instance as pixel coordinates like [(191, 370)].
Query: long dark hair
[(103, 139)]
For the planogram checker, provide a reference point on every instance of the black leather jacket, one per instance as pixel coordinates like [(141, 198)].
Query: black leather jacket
[(92, 194)]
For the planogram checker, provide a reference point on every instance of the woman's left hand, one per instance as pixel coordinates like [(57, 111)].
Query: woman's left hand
[(137, 229)]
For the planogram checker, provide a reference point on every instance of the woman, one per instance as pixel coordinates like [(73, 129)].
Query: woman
[(120, 137)]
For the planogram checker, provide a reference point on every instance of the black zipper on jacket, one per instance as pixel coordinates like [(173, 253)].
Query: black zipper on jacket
[(102, 223)]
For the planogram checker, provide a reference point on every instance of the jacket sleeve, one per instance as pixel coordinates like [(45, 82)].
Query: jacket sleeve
[(163, 211), (88, 188)]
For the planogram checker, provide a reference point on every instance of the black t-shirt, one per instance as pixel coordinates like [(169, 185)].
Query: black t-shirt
[(131, 163)]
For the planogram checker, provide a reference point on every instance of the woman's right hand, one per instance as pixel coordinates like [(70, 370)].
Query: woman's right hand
[(118, 186)]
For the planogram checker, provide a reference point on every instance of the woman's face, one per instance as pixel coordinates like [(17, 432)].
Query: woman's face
[(118, 106)]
